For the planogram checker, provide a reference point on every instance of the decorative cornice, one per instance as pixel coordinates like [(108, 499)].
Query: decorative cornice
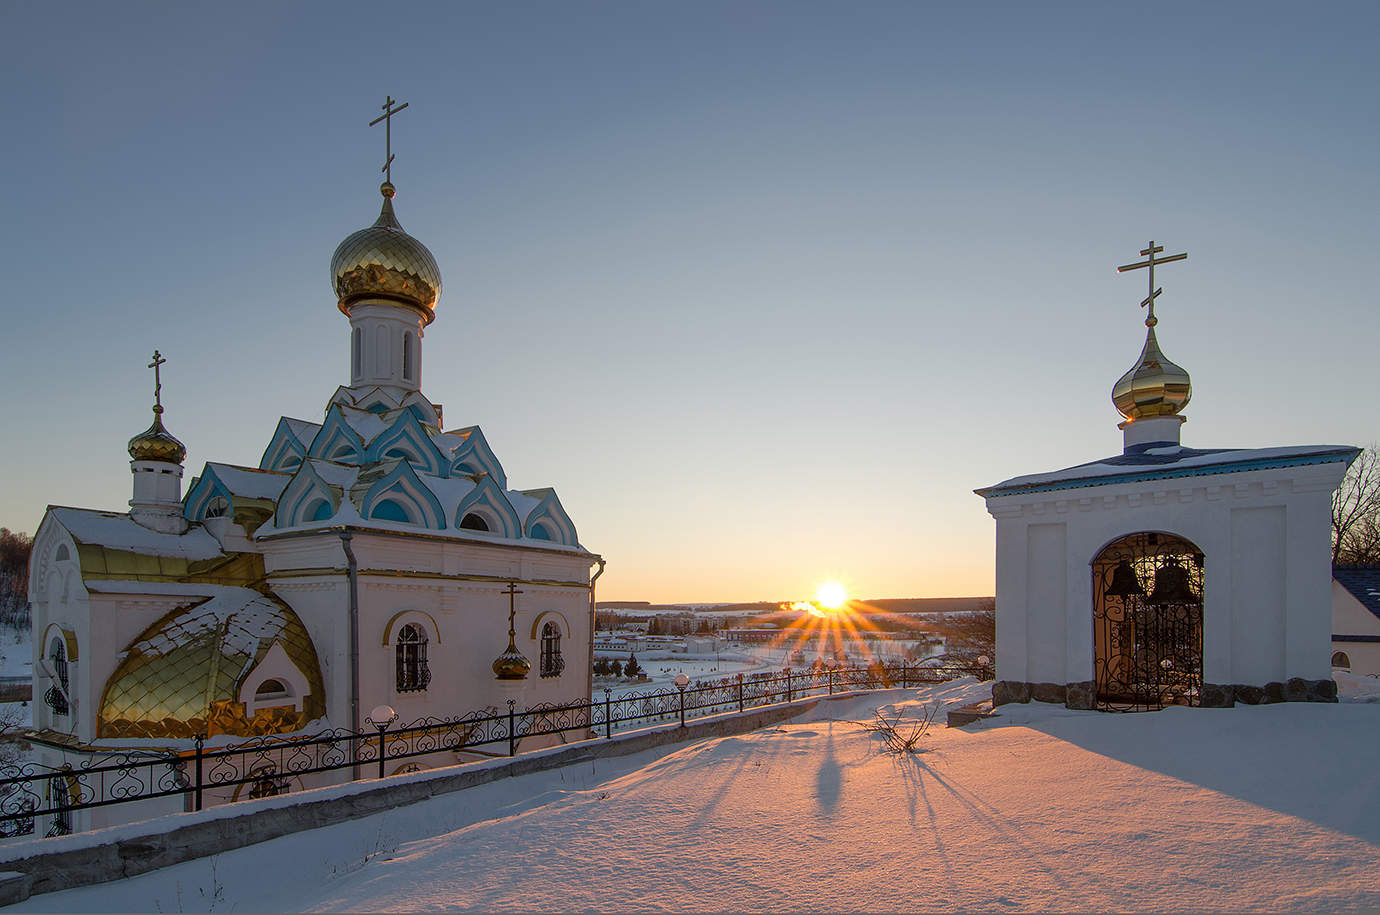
[(1139, 476)]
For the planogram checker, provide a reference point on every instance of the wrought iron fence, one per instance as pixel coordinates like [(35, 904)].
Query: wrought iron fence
[(274, 764)]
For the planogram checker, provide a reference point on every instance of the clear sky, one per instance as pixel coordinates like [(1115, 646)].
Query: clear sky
[(764, 290)]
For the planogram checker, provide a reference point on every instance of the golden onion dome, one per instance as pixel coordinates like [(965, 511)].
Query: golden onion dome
[(1154, 386), (512, 664), (184, 674), (384, 262), (157, 444)]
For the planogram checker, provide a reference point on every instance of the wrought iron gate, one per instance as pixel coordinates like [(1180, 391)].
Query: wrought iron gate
[(1148, 623)]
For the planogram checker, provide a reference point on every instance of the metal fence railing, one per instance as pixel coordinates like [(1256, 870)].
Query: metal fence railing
[(32, 795)]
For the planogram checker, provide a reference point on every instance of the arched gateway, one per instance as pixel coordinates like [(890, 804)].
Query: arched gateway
[(1147, 623)]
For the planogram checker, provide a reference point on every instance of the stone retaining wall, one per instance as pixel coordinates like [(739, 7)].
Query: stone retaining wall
[(1083, 695)]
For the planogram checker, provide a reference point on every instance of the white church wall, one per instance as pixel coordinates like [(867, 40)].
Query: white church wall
[(1264, 536)]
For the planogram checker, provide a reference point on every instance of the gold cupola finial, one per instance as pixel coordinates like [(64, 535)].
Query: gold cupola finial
[(1154, 386), (383, 261), (155, 443), (512, 664)]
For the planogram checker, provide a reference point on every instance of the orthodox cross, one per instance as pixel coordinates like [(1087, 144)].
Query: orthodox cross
[(512, 593), (158, 360), (387, 118), (1151, 251)]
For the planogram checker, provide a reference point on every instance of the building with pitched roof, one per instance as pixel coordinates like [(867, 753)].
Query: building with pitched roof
[(1166, 574), (366, 561), (1356, 619)]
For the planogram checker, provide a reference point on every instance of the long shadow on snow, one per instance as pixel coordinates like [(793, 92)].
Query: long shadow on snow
[(1314, 761)]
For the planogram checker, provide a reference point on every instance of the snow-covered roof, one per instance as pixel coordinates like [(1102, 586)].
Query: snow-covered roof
[(1362, 582), (250, 482), (1165, 462), (118, 531), (303, 430)]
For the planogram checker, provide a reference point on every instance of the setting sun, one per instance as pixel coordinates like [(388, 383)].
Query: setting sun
[(831, 595)]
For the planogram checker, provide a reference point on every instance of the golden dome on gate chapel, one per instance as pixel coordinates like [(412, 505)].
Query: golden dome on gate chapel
[(1154, 386), (384, 262)]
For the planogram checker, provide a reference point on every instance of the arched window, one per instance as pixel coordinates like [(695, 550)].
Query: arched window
[(1340, 659), (269, 690), (56, 696), (472, 522), (551, 661), (540, 532), (320, 510), (356, 353), (390, 510), (216, 508), (409, 356), (413, 674), (62, 554)]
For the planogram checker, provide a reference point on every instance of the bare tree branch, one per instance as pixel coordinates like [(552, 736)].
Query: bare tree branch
[(1356, 512)]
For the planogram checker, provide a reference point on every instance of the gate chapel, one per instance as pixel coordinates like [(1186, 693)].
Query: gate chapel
[(1167, 574)]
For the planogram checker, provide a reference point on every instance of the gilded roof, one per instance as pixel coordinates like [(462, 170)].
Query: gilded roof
[(156, 443), (182, 675), (1154, 386), (383, 261)]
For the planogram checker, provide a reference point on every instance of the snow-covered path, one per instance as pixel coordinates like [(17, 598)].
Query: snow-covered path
[(1265, 808)]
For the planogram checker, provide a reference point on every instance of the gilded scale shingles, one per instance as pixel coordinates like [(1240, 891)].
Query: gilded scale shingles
[(182, 676), (384, 261)]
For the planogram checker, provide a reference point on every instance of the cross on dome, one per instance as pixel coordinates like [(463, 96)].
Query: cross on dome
[(1151, 250), (387, 119)]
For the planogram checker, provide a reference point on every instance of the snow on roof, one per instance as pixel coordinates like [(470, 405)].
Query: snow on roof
[(368, 424), (448, 491), (1166, 462), (1362, 582), (162, 588), (118, 531), (304, 431), (250, 482), (522, 503)]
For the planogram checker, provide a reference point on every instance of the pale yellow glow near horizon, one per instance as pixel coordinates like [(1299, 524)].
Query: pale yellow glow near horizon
[(831, 595)]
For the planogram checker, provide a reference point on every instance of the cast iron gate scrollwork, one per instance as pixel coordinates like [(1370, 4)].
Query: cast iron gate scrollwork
[(1148, 623)]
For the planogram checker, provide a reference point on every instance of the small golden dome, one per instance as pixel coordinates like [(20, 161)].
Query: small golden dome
[(512, 664), (156, 444), (384, 262), (1154, 386)]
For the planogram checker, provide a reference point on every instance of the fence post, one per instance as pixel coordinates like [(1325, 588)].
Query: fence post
[(608, 714), (198, 741), (790, 694), (831, 681), (905, 674), (383, 748), (740, 692), (682, 706), (512, 733)]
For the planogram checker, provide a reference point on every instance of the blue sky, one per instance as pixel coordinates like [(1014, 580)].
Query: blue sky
[(763, 289)]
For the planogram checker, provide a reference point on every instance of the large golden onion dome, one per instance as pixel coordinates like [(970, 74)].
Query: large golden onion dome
[(384, 262), (156, 443), (1154, 386)]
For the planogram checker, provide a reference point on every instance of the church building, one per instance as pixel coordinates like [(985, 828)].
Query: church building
[(1167, 574), (373, 557)]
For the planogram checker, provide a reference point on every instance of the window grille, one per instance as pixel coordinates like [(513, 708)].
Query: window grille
[(56, 696), (413, 674), (551, 661)]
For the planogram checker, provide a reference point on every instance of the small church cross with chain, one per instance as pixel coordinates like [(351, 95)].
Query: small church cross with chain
[(1150, 252), (387, 118), (158, 360)]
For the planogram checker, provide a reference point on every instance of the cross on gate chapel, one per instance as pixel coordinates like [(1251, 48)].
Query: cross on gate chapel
[(1167, 574), (372, 557)]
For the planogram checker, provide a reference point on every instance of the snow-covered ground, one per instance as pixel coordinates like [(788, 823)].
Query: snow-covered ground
[(1255, 808)]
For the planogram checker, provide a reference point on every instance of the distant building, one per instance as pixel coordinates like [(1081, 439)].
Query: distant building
[(1356, 619)]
